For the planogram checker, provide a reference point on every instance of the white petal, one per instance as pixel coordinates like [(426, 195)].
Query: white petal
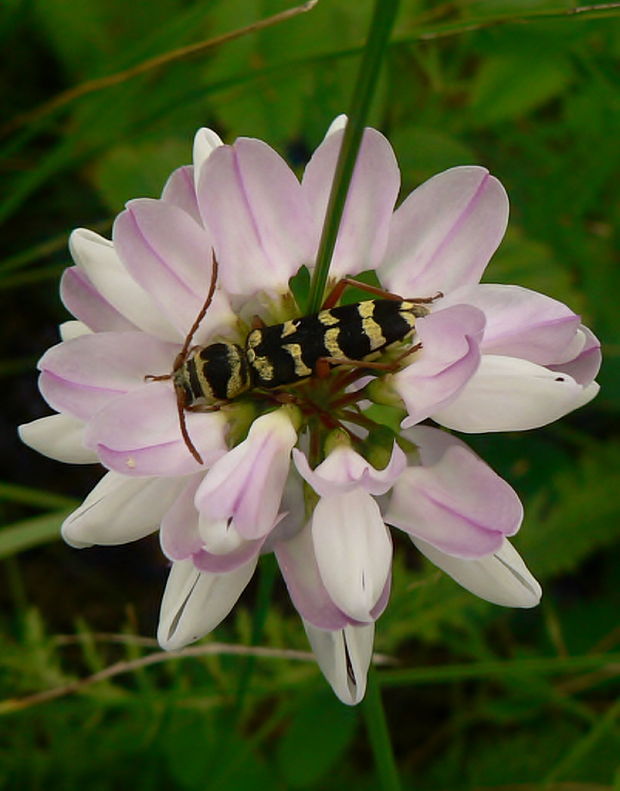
[(510, 394), (344, 658), (60, 437), (339, 122), (120, 509), (501, 578), (73, 329), (205, 143), (353, 551), (195, 602), (219, 535)]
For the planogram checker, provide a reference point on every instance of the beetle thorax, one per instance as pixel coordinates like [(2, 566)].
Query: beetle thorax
[(213, 373)]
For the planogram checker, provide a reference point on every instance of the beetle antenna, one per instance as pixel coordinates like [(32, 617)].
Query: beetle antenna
[(182, 356), (188, 340), (183, 424)]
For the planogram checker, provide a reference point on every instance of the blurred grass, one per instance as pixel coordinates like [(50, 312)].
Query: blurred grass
[(481, 697)]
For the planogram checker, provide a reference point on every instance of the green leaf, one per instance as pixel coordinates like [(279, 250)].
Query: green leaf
[(31, 533), (203, 751), (423, 151), (128, 171), (583, 517), (320, 732), (509, 85), (533, 264)]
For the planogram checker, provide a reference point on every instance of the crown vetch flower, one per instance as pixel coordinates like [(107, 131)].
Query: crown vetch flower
[(304, 471)]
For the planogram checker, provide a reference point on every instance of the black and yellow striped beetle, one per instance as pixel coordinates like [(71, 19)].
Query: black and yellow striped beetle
[(287, 353)]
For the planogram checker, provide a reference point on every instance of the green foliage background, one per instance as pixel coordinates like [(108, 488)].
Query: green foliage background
[(478, 697)]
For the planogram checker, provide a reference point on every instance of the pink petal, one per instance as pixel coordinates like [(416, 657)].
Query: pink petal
[(509, 394), (585, 365), (170, 255), (228, 561), (138, 434), (445, 232), (82, 375), (247, 483), (458, 505), (179, 534), (179, 190), (99, 260), (365, 224), (344, 470), (522, 323), (252, 204), (448, 359), (82, 299), (298, 565)]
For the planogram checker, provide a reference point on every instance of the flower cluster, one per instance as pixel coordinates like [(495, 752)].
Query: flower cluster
[(309, 472)]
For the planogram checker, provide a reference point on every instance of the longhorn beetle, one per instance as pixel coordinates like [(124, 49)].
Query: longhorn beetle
[(287, 353)]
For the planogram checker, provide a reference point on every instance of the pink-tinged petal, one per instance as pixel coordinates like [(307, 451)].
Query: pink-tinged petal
[(523, 323), (82, 299), (138, 434), (298, 565), (508, 394), (247, 483), (170, 255), (179, 534), (445, 232), (586, 364), (60, 437), (447, 360), (219, 536), (119, 510), (353, 551), (501, 578), (205, 143), (218, 563), (365, 224), (77, 400), (432, 443), (337, 125), (344, 658), (291, 518), (251, 202), (97, 257), (459, 505), (382, 601), (344, 470), (83, 375), (179, 190), (195, 602), (69, 330)]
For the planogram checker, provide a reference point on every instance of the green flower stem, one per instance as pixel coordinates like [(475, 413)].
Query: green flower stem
[(378, 734), (378, 37), (267, 576)]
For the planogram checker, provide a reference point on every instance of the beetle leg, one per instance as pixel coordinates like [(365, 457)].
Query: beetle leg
[(337, 291), (334, 295)]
